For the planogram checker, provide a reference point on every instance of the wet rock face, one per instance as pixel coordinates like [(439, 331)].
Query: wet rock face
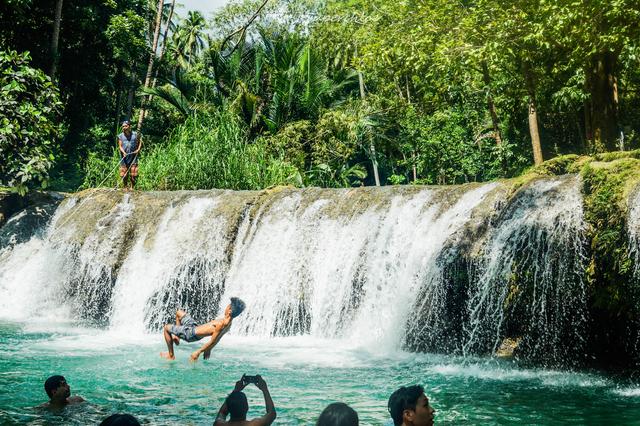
[(508, 347), (438, 269), (9, 204), (23, 217), (194, 288)]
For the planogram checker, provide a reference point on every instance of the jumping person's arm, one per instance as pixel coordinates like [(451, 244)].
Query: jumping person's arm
[(270, 416), (206, 348)]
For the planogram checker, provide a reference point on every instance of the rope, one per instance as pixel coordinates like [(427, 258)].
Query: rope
[(58, 225), (128, 168)]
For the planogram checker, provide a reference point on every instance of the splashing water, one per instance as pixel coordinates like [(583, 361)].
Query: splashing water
[(338, 283), (424, 268)]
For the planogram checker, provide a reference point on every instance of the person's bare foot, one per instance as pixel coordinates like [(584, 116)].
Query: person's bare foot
[(167, 355), (176, 340)]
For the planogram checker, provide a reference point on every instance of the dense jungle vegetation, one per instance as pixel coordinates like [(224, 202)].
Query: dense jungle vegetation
[(330, 93)]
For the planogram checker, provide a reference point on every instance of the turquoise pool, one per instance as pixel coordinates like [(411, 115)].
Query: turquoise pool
[(116, 373)]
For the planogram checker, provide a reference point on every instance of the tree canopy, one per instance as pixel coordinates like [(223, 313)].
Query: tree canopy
[(332, 93)]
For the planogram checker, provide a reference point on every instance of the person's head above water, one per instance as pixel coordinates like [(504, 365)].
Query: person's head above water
[(338, 414), (57, 388), (237, 405), (410, 406), (120, 420), (234, 308)]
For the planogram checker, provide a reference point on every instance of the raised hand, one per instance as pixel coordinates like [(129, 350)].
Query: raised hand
[(262, 385)]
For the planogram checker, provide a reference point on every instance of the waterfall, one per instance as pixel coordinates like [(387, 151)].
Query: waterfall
[(532, 266), (444, 269), (633, 231)]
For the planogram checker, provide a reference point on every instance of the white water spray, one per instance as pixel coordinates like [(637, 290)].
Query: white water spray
[(375, 267)]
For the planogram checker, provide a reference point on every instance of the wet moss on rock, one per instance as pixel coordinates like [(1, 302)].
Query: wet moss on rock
[(608, 179)]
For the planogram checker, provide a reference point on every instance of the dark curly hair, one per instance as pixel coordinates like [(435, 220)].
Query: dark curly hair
[(338, 414), (403, 399), (237, 306)]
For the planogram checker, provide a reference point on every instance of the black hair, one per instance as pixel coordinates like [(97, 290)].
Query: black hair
[(402, 399), (237, 405), (237, 306), (53, 383), (338, 414), (120, 420)]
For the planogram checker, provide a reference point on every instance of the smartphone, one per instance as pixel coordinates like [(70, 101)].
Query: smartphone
[(250, 379)]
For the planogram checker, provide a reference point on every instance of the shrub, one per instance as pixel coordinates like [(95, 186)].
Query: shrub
[(209, 150), (30, 110)]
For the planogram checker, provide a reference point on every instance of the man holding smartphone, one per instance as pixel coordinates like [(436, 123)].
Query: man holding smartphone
[(236, 405)]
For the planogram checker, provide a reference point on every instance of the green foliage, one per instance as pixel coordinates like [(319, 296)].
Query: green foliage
[(189, 38), (29, 130), (292, 141), (445, 95), (445, 151), (335, 138), (185, 93), (607, 187), (206, 151), (126, 35)]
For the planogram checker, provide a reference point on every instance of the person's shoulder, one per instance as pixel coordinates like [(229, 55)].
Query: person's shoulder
[(75, 399), (265, 420)]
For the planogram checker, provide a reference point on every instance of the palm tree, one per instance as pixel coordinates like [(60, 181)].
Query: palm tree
[(179, 92), (190, 36), (298, 85), (152, 55), (169, 26)]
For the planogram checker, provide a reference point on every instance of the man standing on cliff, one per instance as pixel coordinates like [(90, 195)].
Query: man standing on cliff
[(129, 145), (186, 329)]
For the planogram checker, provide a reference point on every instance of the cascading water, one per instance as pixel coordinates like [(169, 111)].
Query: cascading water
[(633, 231), (438, 269), (528, 280), (633, 225)]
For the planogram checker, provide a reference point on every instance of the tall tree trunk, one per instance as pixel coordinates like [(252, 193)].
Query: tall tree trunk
[(130, 92), (152, 56), (533, 115), (57, 20), (372, 147), (118, 95), (406, 80), (163, 48), (164, 44), (603, 88), (588, 134), (414, 151), (490, 104)]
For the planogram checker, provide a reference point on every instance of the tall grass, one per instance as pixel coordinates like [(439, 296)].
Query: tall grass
[(206, 151)]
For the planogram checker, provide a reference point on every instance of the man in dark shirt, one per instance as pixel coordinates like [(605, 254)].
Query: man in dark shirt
[(129, 144)]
